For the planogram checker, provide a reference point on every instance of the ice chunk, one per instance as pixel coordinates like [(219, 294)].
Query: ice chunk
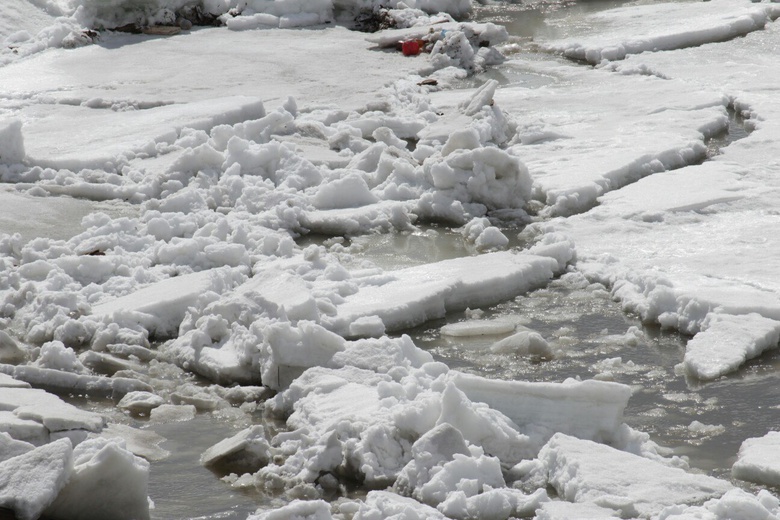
[(493, 504), (297, 510), (49, 410), (10, 352), (525, 342), (367, 327), (584, 471), (445, 286), (30, 482), (381, 354), (478, 328), (383, 504), (727, 341), (107, 482), (11, 447), (559, 510), (484, 426), (734, 504), (483, 96), (56, 356), (758, 460), (7, 381), (160, 307), (23, 429), (587, 409), (432, 450), (140, 402), (143, 443), (349, 191), (11, 142), (89, 384), (173, 413), (247, 451), (288, 292), (102, 135)]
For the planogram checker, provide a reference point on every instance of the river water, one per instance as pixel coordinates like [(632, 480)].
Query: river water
[(589, 333)]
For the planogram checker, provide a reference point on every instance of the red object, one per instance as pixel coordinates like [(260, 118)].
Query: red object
[(410, 48)]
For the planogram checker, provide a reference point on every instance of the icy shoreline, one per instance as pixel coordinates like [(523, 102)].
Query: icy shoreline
[(227, 171)]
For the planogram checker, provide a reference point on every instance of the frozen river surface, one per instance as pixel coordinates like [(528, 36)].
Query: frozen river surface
[(278, 269)]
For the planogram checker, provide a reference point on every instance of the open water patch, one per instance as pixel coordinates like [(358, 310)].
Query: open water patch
[(737, 129)]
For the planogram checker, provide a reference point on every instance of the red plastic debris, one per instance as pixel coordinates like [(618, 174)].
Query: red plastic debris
[(410, 47)]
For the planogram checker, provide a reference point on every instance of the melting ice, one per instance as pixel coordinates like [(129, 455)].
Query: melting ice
[(189, 188)]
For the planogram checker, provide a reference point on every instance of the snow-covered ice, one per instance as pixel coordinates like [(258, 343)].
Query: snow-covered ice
[(633, 486), (155, 263), (757, 460)]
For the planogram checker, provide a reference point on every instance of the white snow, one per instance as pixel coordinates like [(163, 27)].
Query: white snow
[(266, 133)]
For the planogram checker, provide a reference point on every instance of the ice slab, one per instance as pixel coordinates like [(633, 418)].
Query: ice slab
[(574, 121), (11, 447), (75, 137), (57, 379), (11, 141), (354, 221), (160, 307), (727, 341), (663, 26), (559, 510), (586, 409), (248, 450), (30, 482), (308, 69), (478, 328), (55, 217), (23, 429), (758, 460), (107, 481), (445, 286), (142, 443), (7, 381), (586, 472), (48, 409)]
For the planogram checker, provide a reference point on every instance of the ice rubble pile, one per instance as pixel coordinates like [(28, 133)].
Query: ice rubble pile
[(212, 264), (125, 279), (52, 461)]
